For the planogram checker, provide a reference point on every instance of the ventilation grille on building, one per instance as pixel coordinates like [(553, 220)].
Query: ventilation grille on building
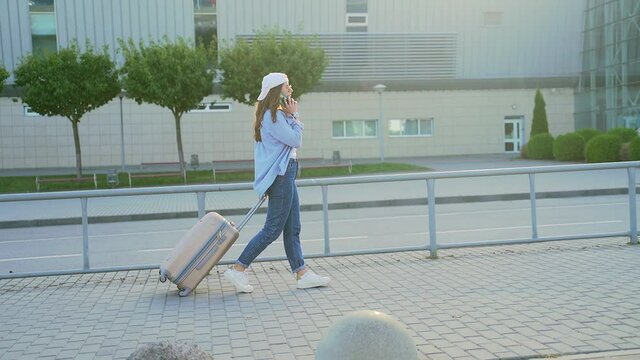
[(360, 56), (354, 19)]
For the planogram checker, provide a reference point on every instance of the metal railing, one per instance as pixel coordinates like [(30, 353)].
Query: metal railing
[(429, 177)]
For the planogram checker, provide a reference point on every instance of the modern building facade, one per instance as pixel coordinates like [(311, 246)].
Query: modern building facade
[(460, 76), (608, 93)]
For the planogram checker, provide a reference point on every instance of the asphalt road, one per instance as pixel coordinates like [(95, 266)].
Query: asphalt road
[(148, 242)]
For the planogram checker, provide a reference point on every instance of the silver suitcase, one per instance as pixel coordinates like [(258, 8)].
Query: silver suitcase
[(200, 249)]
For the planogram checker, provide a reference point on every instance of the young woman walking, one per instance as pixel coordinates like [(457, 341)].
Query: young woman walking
[(277, 135)]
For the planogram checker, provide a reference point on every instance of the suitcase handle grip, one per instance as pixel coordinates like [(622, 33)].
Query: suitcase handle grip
[(251, 212)]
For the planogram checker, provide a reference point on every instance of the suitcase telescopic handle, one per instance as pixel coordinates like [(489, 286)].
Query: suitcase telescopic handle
[(251, 212)]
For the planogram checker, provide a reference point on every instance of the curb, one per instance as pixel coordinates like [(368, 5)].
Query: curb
[(600, 355), (318, 207)]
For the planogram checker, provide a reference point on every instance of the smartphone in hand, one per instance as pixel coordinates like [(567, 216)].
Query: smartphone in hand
[(283, 101)]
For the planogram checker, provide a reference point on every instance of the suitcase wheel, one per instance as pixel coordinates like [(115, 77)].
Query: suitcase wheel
[(184, 292), (163, 277)]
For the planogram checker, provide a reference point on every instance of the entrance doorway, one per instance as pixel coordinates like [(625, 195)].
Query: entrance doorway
[(513, 133)]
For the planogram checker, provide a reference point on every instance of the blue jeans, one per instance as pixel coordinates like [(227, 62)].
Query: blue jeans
[(283, 216)]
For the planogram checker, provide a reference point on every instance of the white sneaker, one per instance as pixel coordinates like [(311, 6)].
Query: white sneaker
[(311, 280), (239, 279)]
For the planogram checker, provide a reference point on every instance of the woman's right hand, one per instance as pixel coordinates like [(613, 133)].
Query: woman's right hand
[(292, 106)]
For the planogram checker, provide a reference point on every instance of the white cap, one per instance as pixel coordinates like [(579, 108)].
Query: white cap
[(270, 81)]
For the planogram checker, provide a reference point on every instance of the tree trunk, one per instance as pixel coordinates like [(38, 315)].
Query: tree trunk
[(76, 140), (177, 117)]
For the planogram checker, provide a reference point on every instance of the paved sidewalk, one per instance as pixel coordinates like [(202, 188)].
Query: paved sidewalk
[(513, 302)]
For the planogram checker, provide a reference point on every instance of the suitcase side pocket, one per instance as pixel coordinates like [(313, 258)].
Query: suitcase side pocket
[(203, 250), (219, 238)]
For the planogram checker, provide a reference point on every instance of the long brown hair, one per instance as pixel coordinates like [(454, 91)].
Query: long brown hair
[(269, 102)]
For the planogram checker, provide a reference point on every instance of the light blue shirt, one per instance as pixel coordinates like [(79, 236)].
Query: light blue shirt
[(271, 155)]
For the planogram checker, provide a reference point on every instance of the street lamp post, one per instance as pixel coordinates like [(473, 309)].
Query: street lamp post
[(121, 96), (380, 89)]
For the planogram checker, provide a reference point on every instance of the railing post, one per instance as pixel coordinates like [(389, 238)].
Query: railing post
[(633, 225), (431, 197), (201, 196), (85, 234), (534, 209), (325, 219)]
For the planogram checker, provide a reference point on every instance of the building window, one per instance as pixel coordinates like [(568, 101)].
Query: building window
[(29, 112), (492, 18), (205, 20), (355, 129), (411, 127), (212, 107), (43, 26), (357, 16)]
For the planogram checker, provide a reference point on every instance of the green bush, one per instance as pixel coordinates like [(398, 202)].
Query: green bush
[(634, 149), (623, 153), (588, 134), (625, 134), (523, 151), (540, 147), (603, 148), (569, 147)]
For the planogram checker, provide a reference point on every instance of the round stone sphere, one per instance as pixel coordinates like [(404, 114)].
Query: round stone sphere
[(170, 351), (366, 335)]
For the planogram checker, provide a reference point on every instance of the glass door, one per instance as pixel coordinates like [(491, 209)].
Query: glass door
[(513, 133)]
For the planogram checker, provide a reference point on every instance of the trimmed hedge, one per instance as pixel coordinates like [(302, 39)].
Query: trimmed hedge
[(588, 134), (569, 147), (624, 154), (634, 149), (625, 134), (540, 147), (603, 148), (523, 151)]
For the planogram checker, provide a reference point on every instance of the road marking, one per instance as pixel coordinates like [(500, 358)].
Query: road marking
[(527, 209), (155, 250), (96, 236), (41, 257), (528, 227), (277, 241), (456, 213), (41, 239)]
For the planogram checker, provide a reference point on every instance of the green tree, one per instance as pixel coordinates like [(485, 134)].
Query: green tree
[(176, 76), (540, 147), (68, 83), (539, 124), (245, 63), (4, 74)]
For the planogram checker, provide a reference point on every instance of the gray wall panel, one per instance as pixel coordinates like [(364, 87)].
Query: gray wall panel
[(15, 33), (535, 38), (109, 22), (305, 16), (104, 22)]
